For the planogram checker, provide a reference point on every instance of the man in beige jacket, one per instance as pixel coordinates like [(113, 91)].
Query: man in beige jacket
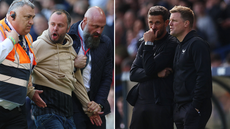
[(56, 76)]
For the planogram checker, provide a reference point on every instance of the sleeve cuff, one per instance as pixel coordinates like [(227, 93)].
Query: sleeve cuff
[(8, 43), (148, 47), (31, 94), (102, 107), (148, 43)]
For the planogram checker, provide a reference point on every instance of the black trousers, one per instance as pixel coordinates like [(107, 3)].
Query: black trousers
[(186, 117), (13, 119), (151, 116)]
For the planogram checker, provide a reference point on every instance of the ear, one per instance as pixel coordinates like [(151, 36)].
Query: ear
[(84, 22), (186, 23), (11, 12), (167, 22), (85, 19), (12, 15)]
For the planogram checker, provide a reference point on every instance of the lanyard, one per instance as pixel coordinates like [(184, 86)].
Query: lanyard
[(82, 44)]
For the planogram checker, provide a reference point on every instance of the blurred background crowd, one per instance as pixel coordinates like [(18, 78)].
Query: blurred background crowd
[(212, 24), (77, 9)]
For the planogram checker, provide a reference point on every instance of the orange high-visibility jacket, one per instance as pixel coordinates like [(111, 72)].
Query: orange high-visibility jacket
[(15, 70)]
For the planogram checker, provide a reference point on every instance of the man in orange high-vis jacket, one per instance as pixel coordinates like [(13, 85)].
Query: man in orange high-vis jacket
[(16, 63)]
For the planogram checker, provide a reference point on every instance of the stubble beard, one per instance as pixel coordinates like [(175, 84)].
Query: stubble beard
[(59, 40)]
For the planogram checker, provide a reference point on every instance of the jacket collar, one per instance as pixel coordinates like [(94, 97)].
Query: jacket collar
[(74, 29), (190, 35), (10, 26), (80, 31)]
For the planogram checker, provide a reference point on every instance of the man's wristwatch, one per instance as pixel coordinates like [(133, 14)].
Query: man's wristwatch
[(149, 43)]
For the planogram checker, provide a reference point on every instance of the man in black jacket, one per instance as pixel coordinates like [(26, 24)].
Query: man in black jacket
[(192, 72), (95, 58), (154, 106)]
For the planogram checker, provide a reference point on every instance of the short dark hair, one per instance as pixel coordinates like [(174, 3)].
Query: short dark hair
[(60, 11), (159, 10), (186, 13)]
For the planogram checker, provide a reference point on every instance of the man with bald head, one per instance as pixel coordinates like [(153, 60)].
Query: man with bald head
[(96, 63)]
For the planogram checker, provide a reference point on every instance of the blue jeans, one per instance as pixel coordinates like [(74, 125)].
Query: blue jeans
[(52, 121)]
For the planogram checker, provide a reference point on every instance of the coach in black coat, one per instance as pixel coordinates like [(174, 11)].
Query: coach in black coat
[(100, 58), (192, 82), (154, 106)]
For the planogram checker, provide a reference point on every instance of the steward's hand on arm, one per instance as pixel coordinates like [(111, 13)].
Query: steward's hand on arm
[(94, 108)]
